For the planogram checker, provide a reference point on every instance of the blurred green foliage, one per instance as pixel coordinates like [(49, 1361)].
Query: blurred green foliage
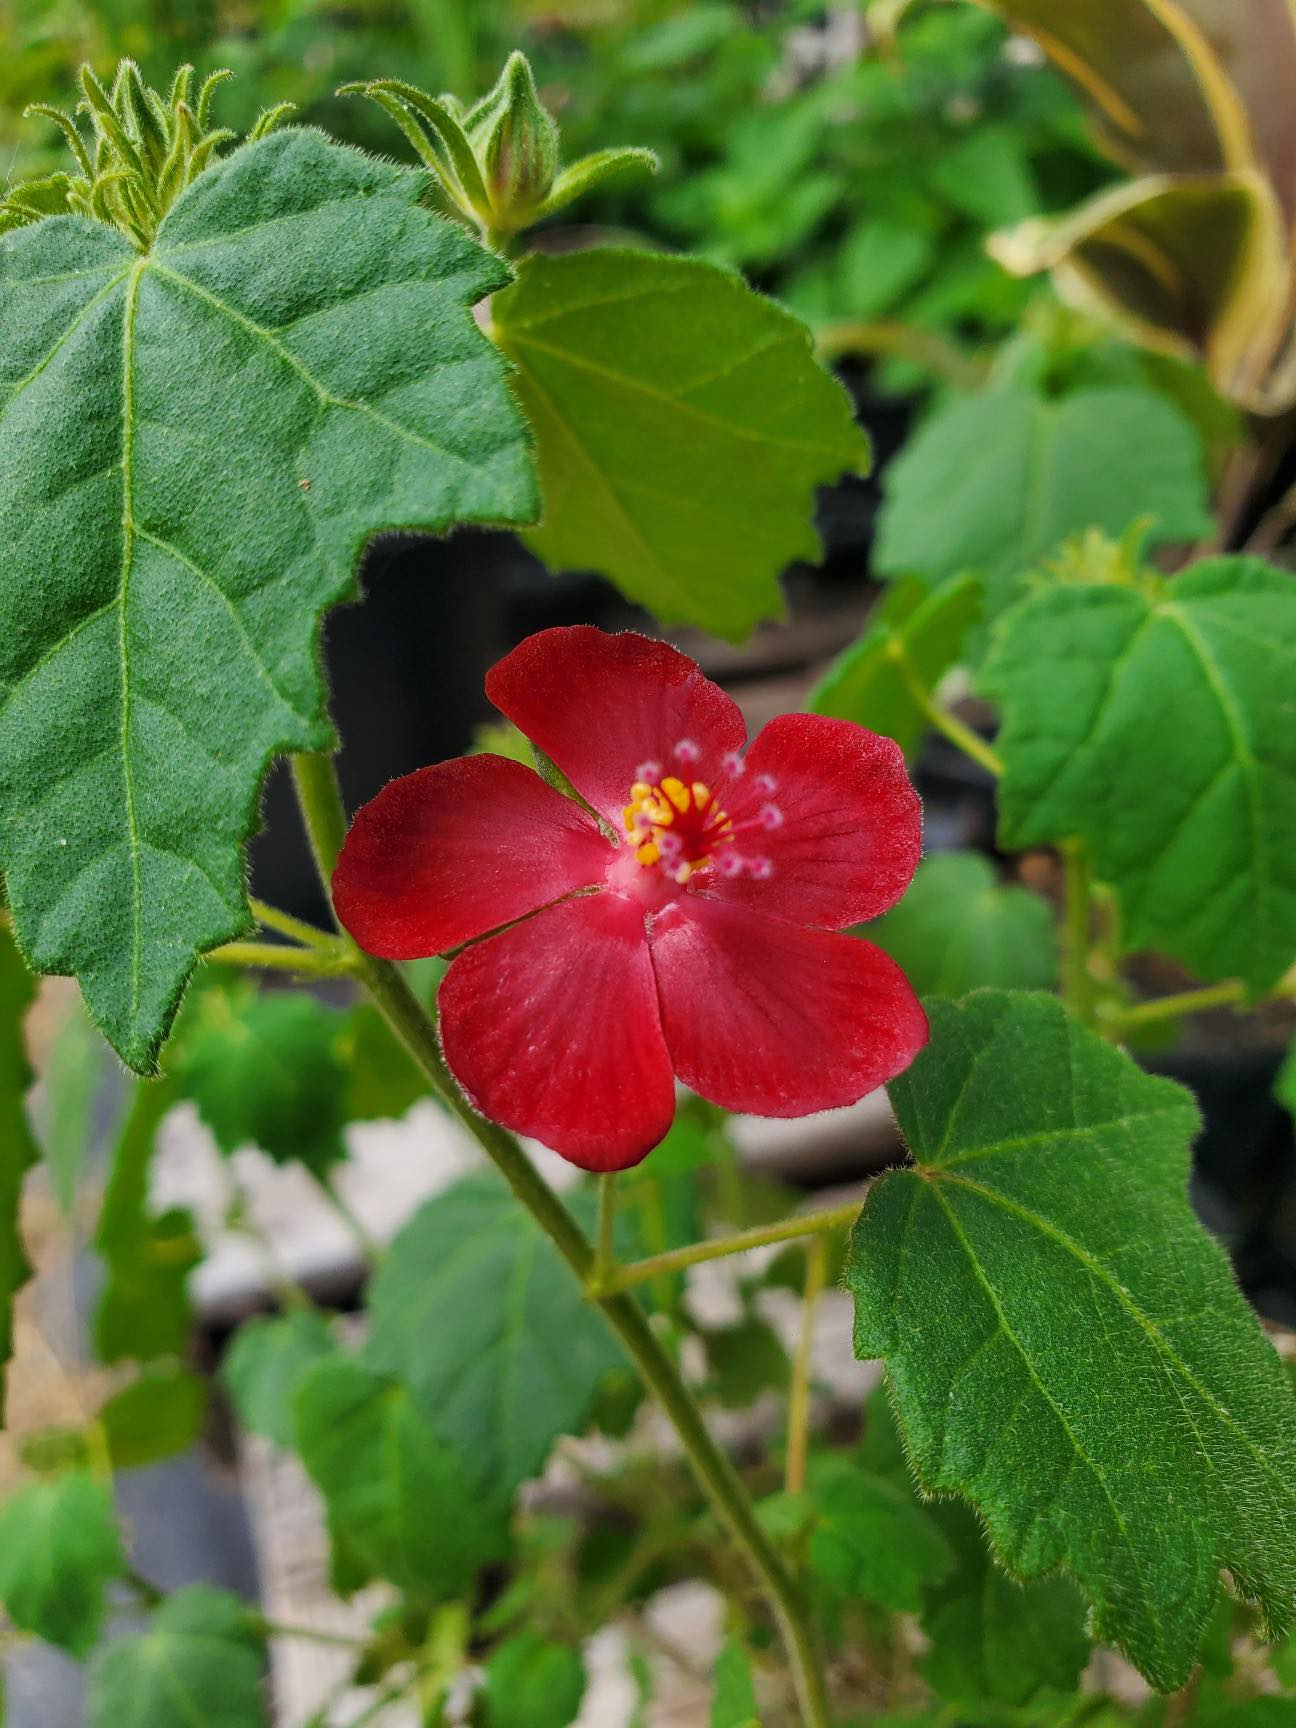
[(853, 172)]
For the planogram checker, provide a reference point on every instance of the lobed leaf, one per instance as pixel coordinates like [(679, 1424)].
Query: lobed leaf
[(59, 1550), (477, 1314), (959, 928), (1066, 1345), (267, 1361), (400, 1501), (682, 425), (265, 1069), (995, 482), (195, 444), (197, 1666), (1103, 687)]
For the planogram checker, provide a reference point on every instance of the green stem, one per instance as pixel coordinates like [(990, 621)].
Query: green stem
[(605, 1239), (334, 962), (325, 818), (720, 1247), (1077, 982), (271, 918), (962, 737), (370, 1248), (305, 1634), (798, 1433)]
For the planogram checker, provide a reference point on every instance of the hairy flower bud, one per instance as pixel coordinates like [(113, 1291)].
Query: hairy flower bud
[(515, 141)]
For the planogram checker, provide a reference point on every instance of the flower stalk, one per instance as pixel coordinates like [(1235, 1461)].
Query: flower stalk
[(324, 815)]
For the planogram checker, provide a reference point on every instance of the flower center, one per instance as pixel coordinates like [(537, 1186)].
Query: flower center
[(675, 824), (678, 825)]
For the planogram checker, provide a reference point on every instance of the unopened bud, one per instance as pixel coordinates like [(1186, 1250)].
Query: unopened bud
[(515, 141)]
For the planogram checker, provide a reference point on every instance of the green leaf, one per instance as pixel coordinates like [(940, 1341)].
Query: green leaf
[(143, 1307), (1066, 1345), (744, 1360), (17, 992), (476, 1312), (267, 1362), (65, 1115), (195, 444), (154, 1417), (383, 1079), (400, 1502), (197, 1666), (59, 1550), (871, 1540), (733, 1702), (995, 1640), (995, 482), (265, 1069), (910, 627), (959, 928), (682, 425), (532, 1683), (1102, 687)]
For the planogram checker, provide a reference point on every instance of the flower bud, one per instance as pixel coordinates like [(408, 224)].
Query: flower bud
[(516, 143)]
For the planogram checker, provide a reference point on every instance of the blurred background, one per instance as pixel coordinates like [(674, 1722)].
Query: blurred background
[(851, 161)]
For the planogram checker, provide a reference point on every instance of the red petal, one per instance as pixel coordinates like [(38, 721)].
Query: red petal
[(459, 849), (768, 1017), (850, 834), (553, 1029), (600, 706)]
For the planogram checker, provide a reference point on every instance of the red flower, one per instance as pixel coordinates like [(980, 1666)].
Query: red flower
[(701, 942)]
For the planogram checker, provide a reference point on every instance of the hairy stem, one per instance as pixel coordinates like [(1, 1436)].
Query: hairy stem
[(721, 1247), (798, 1429), (1077, 981), (325, 818), (949, 725), (331, 962), (271, 918), (605, 1239)]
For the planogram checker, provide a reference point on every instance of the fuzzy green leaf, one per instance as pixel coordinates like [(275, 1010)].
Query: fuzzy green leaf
[(682, 425), (265, 1069), (475, 1311), (994, 1640), (1104, 685), (866, 683), (195, 444), (733, 1703), (17, 991), (995, 482), (143, 1307), (871, 1540), (532, 1683), (1066, 1345), (959, 928), (197, 1666), (59, 1550), (266, 1362), (400, 1502)]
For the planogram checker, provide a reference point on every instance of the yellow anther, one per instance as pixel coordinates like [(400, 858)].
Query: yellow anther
[(677, 792)]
